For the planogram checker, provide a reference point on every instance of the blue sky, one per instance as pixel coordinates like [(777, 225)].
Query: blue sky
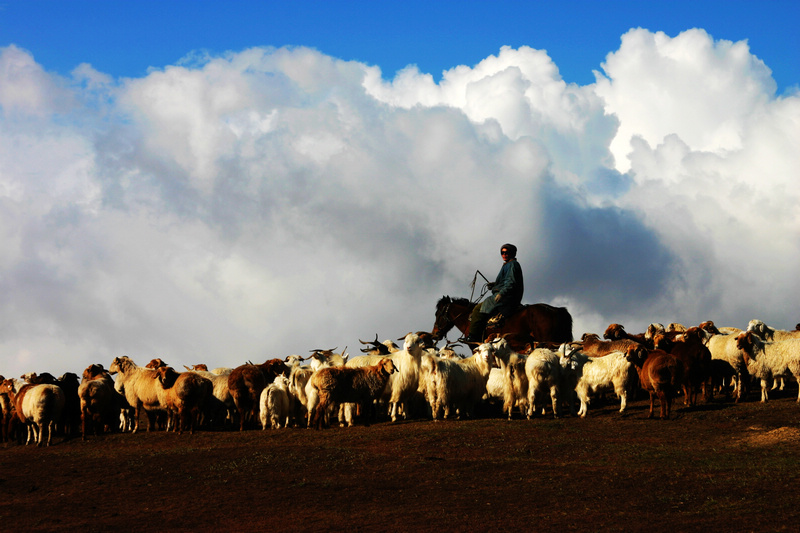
[(125, 38), (212, 182)]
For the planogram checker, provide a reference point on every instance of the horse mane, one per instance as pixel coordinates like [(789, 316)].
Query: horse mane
[(458, 301)]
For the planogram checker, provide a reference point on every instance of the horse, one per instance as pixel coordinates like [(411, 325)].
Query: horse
[(534, 322)]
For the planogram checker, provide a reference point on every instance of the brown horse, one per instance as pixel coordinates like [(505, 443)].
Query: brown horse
[(536, 322)]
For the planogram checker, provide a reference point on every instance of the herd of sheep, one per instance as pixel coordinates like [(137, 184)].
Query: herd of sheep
[(417, 380)]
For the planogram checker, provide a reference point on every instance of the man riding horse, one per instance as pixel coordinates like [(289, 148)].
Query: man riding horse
[(506, 296)]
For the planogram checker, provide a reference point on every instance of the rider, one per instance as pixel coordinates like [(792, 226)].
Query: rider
[(506, 294)]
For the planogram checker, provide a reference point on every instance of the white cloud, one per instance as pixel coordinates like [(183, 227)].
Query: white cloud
[(273, 201)]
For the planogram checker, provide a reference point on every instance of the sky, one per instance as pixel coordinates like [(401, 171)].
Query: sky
[(217, 183)]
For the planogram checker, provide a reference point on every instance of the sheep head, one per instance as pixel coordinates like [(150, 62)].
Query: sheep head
[(167, 376), (614, 332)]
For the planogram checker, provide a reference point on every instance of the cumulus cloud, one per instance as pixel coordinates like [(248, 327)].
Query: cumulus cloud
[(272, 201)]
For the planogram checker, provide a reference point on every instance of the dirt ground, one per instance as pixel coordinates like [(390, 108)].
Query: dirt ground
[(719, 466)]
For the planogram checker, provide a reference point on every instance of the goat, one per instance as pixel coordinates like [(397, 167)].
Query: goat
[(334, 385)]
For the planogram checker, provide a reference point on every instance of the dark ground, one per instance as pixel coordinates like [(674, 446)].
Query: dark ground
[(718, 467)]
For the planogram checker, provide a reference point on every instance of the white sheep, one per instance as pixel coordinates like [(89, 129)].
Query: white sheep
[(39, 407), (460, 384), (138, 385), (614, 371), (768, 360), (771, 334), (274, 404), (723, 347), (514, 381), (543, 369)]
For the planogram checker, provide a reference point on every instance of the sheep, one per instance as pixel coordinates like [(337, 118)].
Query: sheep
[(246, 382), (7, 411), (333, 385), (139, 388), (404, 383), (71, 417), (543, 369), (661, 375), (615, 371), (379, 348), (99, 402), (771, 334), (37, 406), (696, 359), (321, 358), (592, 346), (220, 405), (767, 360), (183, 394), (617, 332), (274, 404), (461, 384), (723, 347)]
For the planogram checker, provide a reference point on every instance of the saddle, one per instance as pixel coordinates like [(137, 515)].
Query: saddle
[(497, 321)]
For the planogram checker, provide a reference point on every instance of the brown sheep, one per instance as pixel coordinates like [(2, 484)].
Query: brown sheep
[(184, 395), (593, 346), (246, 382), (99, 403), (661, 375), (336, 385)]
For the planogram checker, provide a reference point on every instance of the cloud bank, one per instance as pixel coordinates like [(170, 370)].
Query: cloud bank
[(272, 201)]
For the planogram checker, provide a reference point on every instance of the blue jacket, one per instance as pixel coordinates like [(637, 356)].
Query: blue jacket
[(509, 285)]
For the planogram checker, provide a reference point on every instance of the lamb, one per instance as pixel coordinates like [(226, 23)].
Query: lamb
[(37, 406), (183, 394), (334, 385), (461, 383), (274, 404), (138, 385), (768, 360)]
